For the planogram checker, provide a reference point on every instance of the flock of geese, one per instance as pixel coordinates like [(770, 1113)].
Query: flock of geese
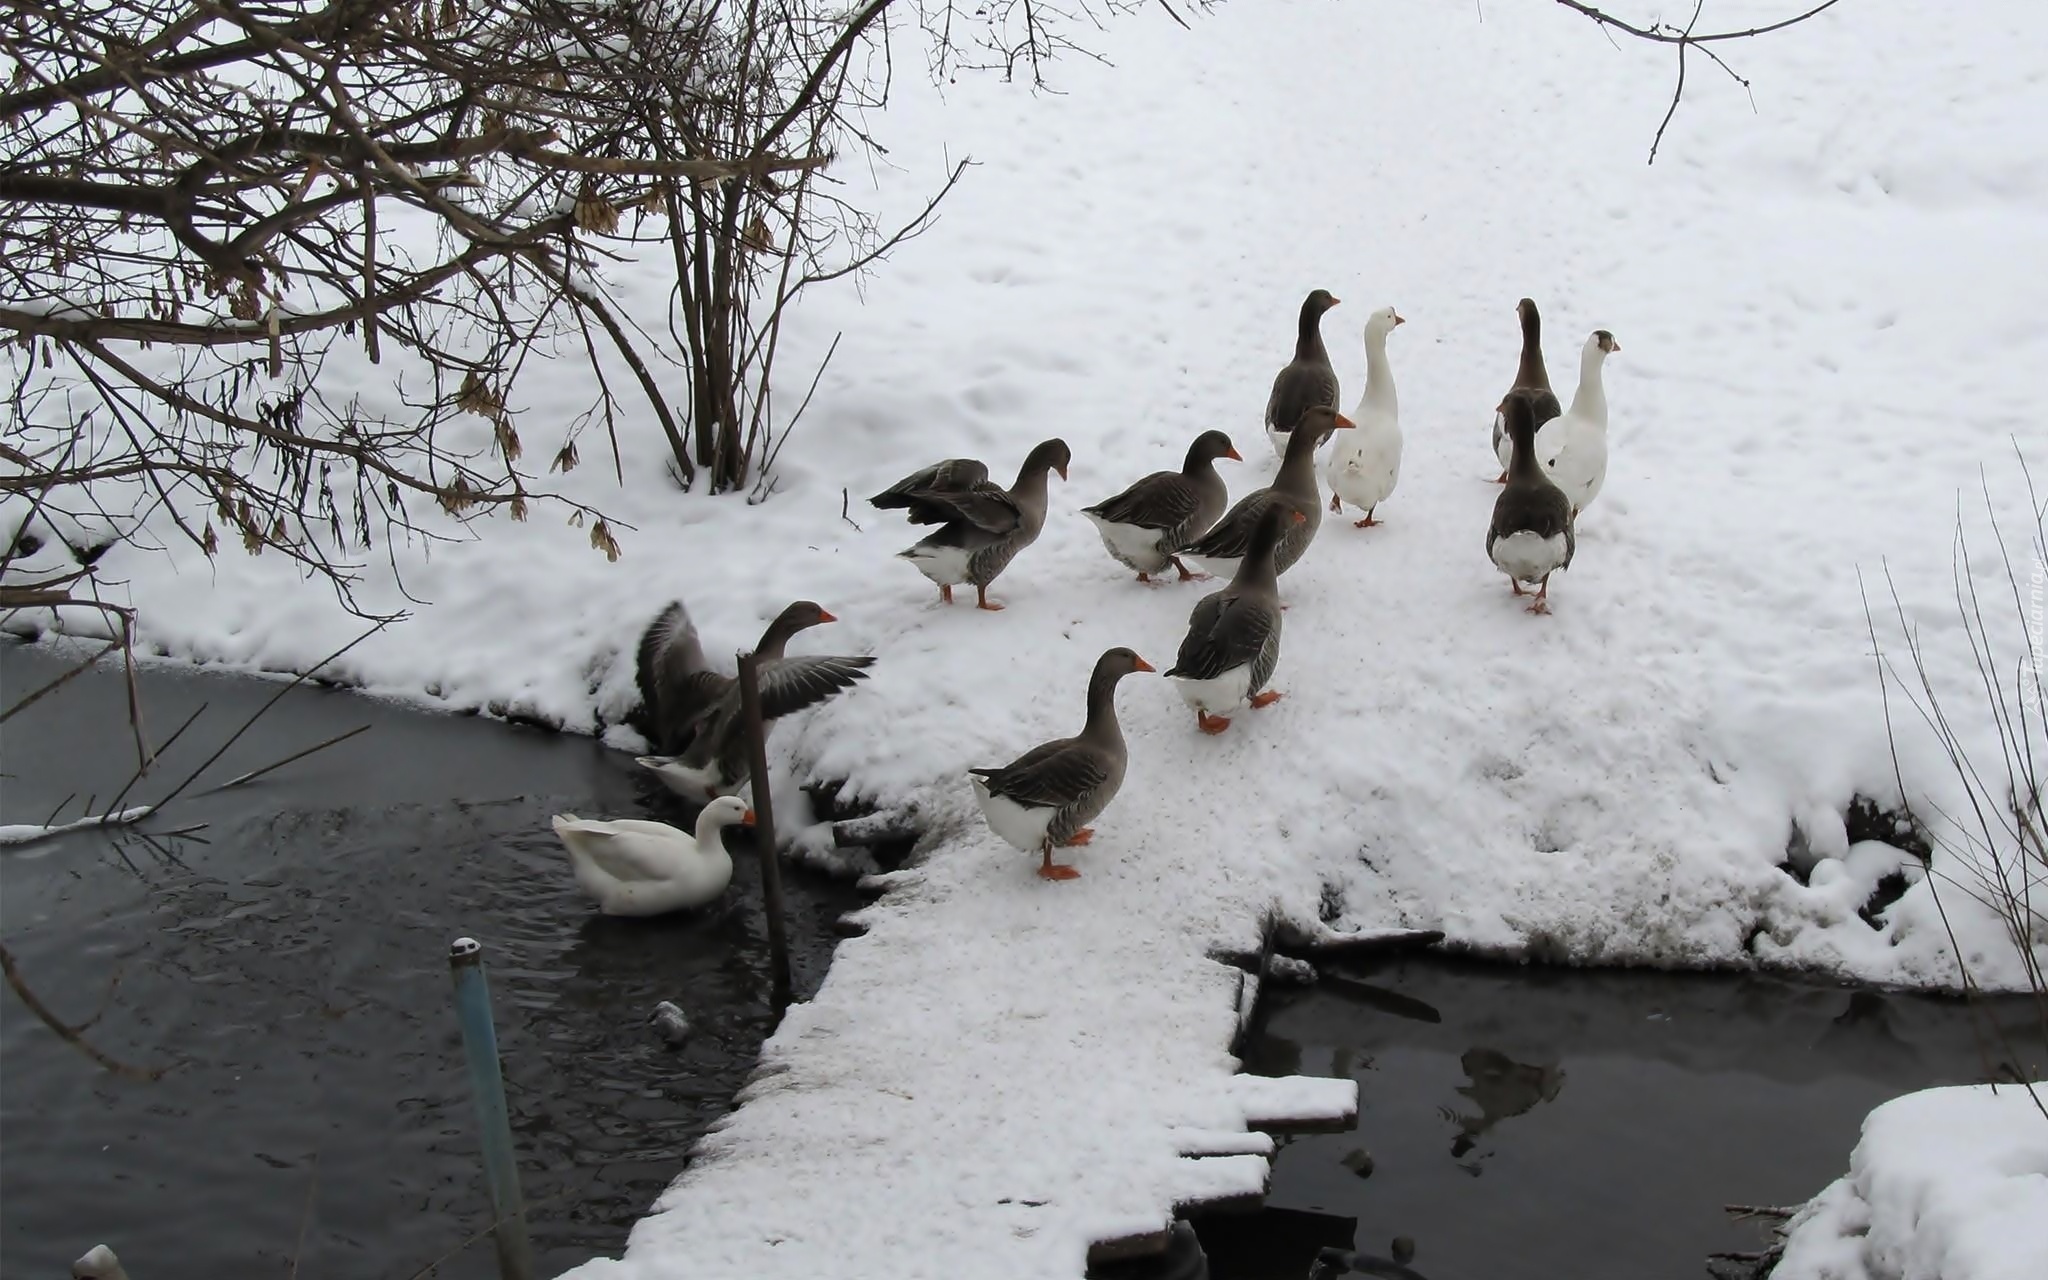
[(1553, 464)]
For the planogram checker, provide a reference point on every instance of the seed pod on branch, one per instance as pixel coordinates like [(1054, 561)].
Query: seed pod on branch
[(595, 214), (601, 539), (477, 396)]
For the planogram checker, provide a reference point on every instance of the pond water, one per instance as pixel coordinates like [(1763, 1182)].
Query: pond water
[(1523, 1123), (287, 966)]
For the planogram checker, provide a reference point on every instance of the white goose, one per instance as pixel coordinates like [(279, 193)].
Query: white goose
[(1573, 446), (638, 868), (1365, 465)]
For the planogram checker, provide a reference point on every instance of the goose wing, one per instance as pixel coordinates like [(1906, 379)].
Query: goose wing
[(625, 850), (1224, 632), (1048, 776), (1299, 387), (1230, 537), (930, 495), (1162, 500), (791, 684)]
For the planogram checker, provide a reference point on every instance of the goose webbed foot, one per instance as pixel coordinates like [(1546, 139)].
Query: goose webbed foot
[(1081, 837), (1542, 602), (981, 601), (1266, 699), (1050, 870), (1368, 522), (1187, 574), (1209, 724)]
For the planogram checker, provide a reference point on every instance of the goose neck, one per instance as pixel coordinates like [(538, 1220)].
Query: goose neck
[(1590, 401)]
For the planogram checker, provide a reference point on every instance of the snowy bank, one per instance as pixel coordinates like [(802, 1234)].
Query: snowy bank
[(1827, 331), (1946, 1182)]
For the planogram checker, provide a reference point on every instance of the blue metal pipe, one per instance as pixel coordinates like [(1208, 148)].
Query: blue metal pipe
[(480, 1053)]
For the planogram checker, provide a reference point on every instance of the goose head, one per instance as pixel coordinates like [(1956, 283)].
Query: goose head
[(1209, 446), (1050, 455), (802, 614), (724, 812), (1601, 345), (1122, 662), (1318, 301), (1381, 323)]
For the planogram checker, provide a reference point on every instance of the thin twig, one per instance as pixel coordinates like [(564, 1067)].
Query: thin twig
[(58, 683), (136, 777), (254, 774), (237, 734), (1679, 91), (65, 1031), (306, 1216)]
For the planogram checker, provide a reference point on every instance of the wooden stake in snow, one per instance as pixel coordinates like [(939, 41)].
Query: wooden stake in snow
[(764, 826)]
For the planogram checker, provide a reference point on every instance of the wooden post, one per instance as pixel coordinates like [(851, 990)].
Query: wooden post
[(764, 827)]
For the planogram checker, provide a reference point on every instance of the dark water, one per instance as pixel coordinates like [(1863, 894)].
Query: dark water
[(1547, 1124), (287, 965)]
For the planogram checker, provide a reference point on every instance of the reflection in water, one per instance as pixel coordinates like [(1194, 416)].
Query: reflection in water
[(1688, 1092), (1503, 1088)]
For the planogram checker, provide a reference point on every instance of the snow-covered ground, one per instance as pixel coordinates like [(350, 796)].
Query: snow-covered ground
[(1827, 330), (1946, 1182)]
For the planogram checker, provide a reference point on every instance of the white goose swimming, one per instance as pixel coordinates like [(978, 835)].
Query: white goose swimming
[(633, 867)]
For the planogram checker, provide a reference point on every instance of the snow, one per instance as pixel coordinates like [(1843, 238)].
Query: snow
[(1949, 1183), (1827, 335), (29, 832)]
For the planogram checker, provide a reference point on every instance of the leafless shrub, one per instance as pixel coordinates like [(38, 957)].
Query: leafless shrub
[(1991, 734)]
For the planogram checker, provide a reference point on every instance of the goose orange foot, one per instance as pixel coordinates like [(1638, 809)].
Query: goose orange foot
[(945, 595), (1050, 870), (1367, 523), (1189, 575), (1081, 837), (1211, 724), (981, 601), (1266, 699)]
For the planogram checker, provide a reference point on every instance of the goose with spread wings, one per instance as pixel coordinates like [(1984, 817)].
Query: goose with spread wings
[(695, 711), (982, 526)]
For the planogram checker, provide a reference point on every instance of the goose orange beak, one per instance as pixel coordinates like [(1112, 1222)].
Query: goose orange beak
[(1343, 421), (826, 615), (1399, 318), (1234, 455), (1143, 665), (747, 818)]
